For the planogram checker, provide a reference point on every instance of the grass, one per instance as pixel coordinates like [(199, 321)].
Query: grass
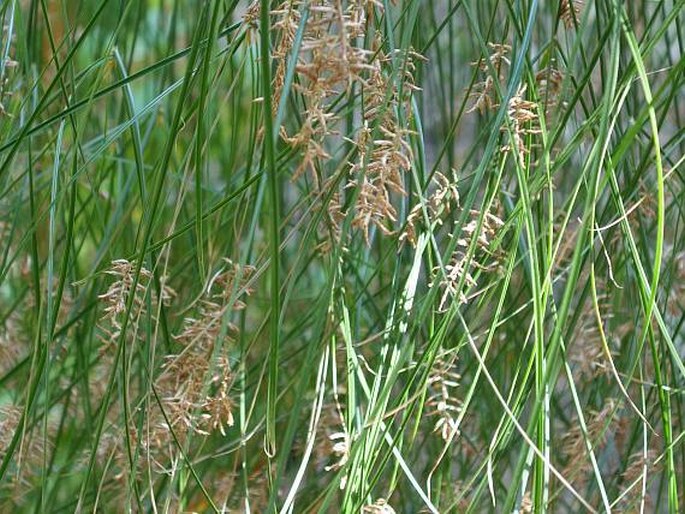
[(361, 256)]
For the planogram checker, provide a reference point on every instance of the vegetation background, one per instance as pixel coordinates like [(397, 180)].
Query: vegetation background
[(342, 256)]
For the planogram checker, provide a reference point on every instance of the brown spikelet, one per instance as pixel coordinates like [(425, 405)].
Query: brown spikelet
[(523, 122), (459, 270), (443, 200), (599, 425), (195, 384), (384, 153), (485, 92), (329, 62), (117, 296), (251, 15), (569, 12), (441, 401)]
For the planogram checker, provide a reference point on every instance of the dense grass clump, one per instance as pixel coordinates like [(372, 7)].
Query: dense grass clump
[(342, 256)]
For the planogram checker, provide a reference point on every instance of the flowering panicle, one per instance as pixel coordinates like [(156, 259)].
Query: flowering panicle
[(459, 268), (117, 296), (569, 12), (384, 154), (439, 204), (485, 92), (328, 63), (441, 400), (333, 450), (195, 383), (523, 119), (574, 441)]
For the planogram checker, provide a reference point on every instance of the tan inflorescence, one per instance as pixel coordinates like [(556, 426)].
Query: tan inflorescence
[(523, 122), (460, 269), (569, 12), (442, 402), (574, 443), (443, 200), (485, 92), (192, 393), (117, 297), (195, 383), (331, 62)]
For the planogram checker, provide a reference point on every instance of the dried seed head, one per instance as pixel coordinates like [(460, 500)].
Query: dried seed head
[(485, 91), (329, 62), (117, 297), (251, 16), (523, 122), (569, 12), (574, 442), (441, 402), (443, 200), (458, 275), (384, 154), (195, 384)]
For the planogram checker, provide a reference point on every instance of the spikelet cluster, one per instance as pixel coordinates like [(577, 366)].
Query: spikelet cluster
[(599, 425), (334, 439), (117, 296), (485, 91), (523, 119), (523, 122), (195, 383), (569, 12), (459, 271), (332, 61), (328, 63), (441, 402), (443, 200), (384, 154)]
